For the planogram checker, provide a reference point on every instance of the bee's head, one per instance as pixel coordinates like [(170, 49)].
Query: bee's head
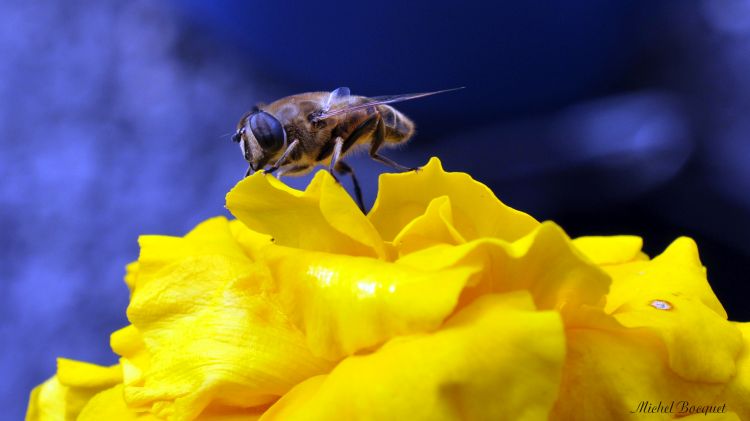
[(261, 137)]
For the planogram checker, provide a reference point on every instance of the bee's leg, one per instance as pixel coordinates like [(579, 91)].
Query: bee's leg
[(245, 146), (296, 169), (338, 144), (378, 137), (283, 158), (246, 154), (344, 168)]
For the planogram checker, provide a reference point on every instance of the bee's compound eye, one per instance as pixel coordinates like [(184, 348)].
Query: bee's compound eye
[(237, 137), (268, 131)]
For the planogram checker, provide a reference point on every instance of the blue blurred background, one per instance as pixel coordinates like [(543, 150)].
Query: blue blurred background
[(626, 116)]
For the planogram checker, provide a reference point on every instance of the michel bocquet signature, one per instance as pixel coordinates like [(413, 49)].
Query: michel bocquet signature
[(677, 407)]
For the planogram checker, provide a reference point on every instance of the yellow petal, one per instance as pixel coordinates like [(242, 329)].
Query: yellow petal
[(322, 218), (63, 396), (85, 375), (50, 401), (611, 370), (131, 274), (211, 326), (677, 270), (251, 241), (545, 263), (476, 211), (109, 405), (496, 359), (611, 250), (344, 304), (128, 343), (221, 413), (737, 393), (435, 226), (671, 296), (702, 346), (209, 238)]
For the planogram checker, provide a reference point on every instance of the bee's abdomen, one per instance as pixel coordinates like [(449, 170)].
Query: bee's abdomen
[(398, 127)]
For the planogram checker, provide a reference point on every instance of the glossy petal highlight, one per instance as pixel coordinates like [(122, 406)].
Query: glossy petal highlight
[(344, 304)]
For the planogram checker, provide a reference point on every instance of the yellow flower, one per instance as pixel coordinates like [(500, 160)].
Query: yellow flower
[(441, 303)]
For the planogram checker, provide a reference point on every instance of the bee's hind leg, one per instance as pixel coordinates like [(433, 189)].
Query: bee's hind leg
[(344, 168), (378, 137)]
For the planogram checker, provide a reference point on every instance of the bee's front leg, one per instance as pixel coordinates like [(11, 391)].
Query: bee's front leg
[(283, 158), (245, 147), (292, 170)]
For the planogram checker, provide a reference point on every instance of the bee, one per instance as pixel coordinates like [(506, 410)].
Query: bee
[(294, 134)]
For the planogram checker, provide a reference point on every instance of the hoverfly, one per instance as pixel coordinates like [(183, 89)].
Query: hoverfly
[(294, 134)]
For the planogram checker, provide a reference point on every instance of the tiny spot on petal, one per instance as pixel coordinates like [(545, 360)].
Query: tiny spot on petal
[(661, 305)]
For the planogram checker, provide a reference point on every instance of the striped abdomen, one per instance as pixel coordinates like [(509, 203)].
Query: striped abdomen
[(398, 127)]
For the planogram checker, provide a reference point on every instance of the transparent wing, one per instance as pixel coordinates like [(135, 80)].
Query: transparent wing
[(378, 100), (338, 96)]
